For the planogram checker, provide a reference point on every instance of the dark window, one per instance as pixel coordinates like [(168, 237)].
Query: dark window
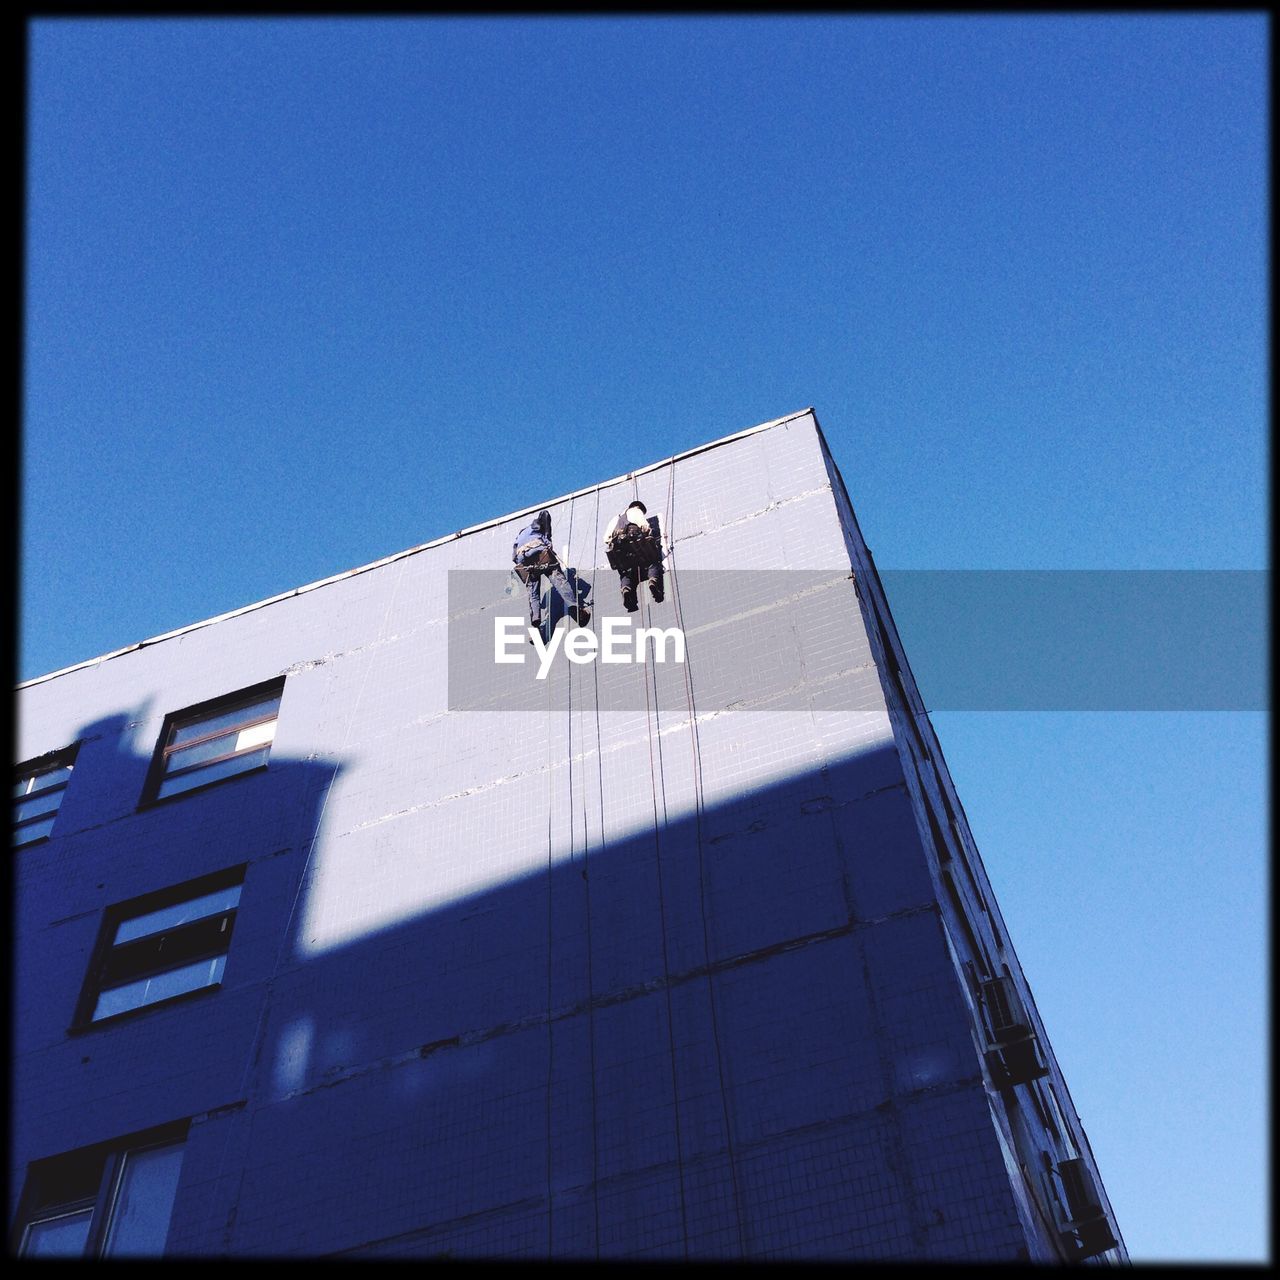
[(972, 879), (976, 949), (1049, 1181), (162, 946), (114, 1199), (215, 740), (939, 842), (1042, 1111), (37, 796)]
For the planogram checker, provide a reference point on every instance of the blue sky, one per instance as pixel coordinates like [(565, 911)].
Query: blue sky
[(301, 293)]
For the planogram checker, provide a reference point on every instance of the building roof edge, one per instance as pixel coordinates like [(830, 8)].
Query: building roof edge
[(410, 551)]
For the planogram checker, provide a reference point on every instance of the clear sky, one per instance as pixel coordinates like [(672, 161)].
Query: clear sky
[(302, 293)]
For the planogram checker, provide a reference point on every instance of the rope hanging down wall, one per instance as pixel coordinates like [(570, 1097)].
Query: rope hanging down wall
[(698, 806)]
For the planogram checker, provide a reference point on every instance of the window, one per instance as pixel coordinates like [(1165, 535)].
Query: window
[(37, 796), (944, 852), (215, 740), (114, 1199), (976, 949), (161, 946), (1042, 1111)]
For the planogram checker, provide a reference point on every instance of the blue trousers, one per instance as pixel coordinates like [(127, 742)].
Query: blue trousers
[(558, 581)]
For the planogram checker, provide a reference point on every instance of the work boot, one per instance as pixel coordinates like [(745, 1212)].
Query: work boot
[(655, 593), (629, 601)]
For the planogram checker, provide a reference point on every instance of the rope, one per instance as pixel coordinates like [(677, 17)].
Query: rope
[(550, 1039), (699, 805), (586, 880), (654, 774), (550, 883), (662, 917)]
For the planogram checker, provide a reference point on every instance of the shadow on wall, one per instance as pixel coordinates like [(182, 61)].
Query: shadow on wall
[(74, 1084), (676, 1042), (721, 1037)]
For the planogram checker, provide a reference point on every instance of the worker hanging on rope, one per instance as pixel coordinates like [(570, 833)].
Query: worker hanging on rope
[(535, 558), (633, 546)]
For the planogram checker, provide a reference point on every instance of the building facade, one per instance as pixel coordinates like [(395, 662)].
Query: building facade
[(337, 935)]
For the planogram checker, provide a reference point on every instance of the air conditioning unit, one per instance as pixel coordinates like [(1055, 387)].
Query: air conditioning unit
[(1087, 1231), (1013, 1053)]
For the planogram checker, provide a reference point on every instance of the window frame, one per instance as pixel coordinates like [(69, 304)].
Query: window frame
[(159, 774), (30, 770), (106, 947), (109, 1160)]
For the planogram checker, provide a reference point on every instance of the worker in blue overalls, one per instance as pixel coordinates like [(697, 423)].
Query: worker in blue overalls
[(535, 558)]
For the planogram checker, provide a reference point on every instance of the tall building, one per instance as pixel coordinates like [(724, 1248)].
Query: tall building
[(338, 935)]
